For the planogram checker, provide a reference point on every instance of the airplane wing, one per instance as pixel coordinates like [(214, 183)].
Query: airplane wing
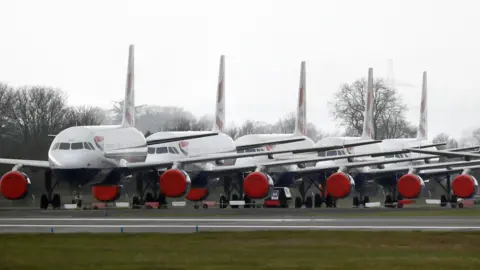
[(445, 153), (180, 138), (280, 141), (208, 158), (347, 166), (26, 163), (424, 169)]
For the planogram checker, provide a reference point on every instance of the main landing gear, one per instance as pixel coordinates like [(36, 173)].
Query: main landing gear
[(49, 197), (143, 183), (448, 197), (316, 200)]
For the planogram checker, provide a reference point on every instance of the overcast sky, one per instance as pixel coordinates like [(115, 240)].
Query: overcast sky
[(81, 47)]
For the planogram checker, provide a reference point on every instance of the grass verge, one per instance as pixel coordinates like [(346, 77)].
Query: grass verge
[(243, 250)]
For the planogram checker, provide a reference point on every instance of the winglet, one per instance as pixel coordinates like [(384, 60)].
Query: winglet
[(422, 132), (301, 117), (128, 118), (368, 131), (218, 124)]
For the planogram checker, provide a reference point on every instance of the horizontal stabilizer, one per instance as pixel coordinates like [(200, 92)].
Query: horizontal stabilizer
[(180, 138), (280, 141)]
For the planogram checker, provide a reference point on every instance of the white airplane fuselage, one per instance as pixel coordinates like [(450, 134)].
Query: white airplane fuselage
[(81, 154), (220, 143)]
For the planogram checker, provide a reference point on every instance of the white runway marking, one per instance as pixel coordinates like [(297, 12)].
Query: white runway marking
[(240, 226), (174, 219)]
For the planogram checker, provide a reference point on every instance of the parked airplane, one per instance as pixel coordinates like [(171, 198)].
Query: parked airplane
[(93, 155)]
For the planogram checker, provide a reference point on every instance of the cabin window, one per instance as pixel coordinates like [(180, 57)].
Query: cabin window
[(151, 150), (77, 146), (64, 146), (162, 150)]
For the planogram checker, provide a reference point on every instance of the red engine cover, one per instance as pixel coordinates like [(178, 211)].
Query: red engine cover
[(173, 183), (463, 186), (409, 186), (107, 193), (256, 185), (197, 194), (338, 185), (14, 185)]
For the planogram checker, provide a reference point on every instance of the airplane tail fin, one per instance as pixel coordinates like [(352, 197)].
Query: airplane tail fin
[(422, 125), (128, 118), (368, 131), (218, 124), (301, 116)]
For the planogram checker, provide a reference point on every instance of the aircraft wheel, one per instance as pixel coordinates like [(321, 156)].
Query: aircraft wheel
[(234, 198), (443, 200), (308, 202), (56, 202), (356, 201), (318, 201), (135, 202), (388, 201), (454, 201), (162, 200), (43, 202), (366, 200), (205, 206), (223, 202), (298, 202), (248, 202), (460, 205), (329, 201), (196, 206)]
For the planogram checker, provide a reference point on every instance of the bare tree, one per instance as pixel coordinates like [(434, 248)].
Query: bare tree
[(348, 106), (84, 116)]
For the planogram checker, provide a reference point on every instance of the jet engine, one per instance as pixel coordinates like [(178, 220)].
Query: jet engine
[(339, 185), (197, 194), (107, 193), (174, 183), (14, 185), (410, 186), (257, 185), (464, 186)]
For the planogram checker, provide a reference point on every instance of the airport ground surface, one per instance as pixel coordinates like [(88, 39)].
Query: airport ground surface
[(191, 220)]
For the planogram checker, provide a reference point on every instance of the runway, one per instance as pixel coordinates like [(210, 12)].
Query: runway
[(190, 225)]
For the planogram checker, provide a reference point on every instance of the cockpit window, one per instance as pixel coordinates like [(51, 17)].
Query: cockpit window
[(175, 150), (170, 150), (162, 150), (77, 146), (250, 150), (321, 154), (64, 146), (389, 156), (55, 146), (151, 150)]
